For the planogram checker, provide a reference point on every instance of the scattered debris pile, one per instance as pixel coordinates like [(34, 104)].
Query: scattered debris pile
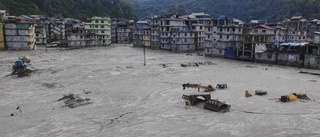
[(191, 64), (309, 73), (210, 104), (301, 96), (208, 88), (73, 101), (20, 67), (294, 97), (288, 98)]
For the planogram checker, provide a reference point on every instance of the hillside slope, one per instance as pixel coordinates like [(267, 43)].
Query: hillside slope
[(271, 10), (69, 8)]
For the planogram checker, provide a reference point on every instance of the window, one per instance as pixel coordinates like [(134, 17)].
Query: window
[(102, 31), (185, 40), (102, 21), (96, 26), (220, 36), (264, 31), (102, 26), (269, 56), (200, 27), (227, 36), (96, 21), (228, 29)]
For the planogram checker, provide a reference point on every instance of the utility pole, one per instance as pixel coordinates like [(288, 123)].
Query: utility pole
[(144, 55)]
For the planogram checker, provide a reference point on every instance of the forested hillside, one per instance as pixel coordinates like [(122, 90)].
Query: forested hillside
[(69, 8), (271, 10)]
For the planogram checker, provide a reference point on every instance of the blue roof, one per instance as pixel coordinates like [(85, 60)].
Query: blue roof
[(294, 44)]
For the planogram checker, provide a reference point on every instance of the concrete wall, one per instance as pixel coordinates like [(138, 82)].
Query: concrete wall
[(265, 57), (312, 61)]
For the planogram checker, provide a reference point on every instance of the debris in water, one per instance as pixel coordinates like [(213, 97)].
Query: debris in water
[(261, 92), (247, 94), (73, 101)]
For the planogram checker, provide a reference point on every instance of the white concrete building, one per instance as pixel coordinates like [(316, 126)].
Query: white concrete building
[(80, 38), (297, 29), (175, 34), (2, 14), (155, 33), (41, 35), (57, 27), (20, 35)]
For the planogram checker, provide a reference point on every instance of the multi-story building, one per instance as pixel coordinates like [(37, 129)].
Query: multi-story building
[(100, 26), (138, 32), (80, 38), (2, 47), (297, 29), (146, 37), (175, 34), (227, 38), (121, 31), (57, 29), (202, 28), (114, 24), (20, 35), (41, 35), (155, 36), (265, 39)]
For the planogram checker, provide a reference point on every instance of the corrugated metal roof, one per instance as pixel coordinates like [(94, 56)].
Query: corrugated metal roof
[(142, 22)]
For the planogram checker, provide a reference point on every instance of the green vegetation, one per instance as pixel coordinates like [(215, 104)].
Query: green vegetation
[(69, 8), (270, 10)]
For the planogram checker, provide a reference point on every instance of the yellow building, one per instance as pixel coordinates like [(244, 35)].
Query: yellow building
[(1, 37)]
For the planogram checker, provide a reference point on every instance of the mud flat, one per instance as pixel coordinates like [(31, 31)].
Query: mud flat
[(129, 99)]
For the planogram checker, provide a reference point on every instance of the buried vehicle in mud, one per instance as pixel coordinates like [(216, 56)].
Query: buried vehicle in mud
[(209, 103)]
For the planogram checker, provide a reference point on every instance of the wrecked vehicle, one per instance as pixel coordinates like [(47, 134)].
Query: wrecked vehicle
[(261, 92), (217, 106), (209, 103), (208, 88), (222, 85)]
